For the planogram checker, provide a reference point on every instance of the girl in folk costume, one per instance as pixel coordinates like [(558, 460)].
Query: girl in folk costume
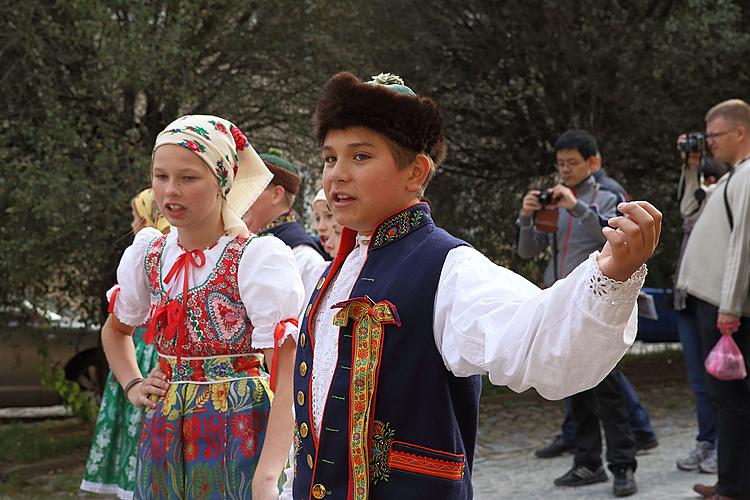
[(407, 317), (218, 302), (110, 467)]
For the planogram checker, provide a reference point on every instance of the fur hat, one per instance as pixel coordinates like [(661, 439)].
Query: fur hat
[(384, 105), (284, 173)]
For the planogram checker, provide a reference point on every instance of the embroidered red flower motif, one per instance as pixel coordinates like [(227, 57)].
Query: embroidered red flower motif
[(249, 444), (219, 126), (241, 364), (193, 146), (242, 425), (239, 138)]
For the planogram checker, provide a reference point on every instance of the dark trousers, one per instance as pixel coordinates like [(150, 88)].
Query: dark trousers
[(640, 422), (732, 402), (692, 348), (604, 403)]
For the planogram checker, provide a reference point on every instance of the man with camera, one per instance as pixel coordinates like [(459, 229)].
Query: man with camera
[(569, 218), (715, 272), (706, 172)]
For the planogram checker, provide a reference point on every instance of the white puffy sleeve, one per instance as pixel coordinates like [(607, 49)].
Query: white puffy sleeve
[(560, 341), (133, 301), (310, 265), (270, 288)]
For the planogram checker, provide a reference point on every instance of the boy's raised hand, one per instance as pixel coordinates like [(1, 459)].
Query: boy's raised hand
[(631, 239)]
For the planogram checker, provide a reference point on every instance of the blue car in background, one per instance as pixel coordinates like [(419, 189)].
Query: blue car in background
[(657, 319)]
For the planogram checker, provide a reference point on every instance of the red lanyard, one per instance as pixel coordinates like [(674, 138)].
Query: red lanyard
[(175, 313)]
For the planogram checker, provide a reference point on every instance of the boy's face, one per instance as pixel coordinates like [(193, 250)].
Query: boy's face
[(361, 180)]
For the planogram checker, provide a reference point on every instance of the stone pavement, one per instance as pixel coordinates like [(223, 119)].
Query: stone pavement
[(518, 474)]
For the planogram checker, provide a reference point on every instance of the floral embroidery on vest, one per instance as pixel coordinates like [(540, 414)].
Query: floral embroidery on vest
[(399, 225), (217, 322), (369, 320), (380, 445)]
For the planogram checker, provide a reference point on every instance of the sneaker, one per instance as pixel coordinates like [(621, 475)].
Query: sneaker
[(696, 456), (709, 465), (644, 441), (581, 475), (624, 483), (555, 449)]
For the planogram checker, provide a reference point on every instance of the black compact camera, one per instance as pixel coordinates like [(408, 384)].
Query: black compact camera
[(545, 198), (694, 142)]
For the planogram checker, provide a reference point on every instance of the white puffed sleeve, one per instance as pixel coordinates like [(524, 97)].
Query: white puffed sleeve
[(560, 341), (270, 288), (133, 302), (310, 265)]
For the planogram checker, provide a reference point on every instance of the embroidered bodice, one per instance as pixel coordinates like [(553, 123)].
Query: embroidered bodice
[(217, 322)]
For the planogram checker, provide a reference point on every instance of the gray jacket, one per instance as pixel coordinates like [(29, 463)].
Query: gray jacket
[(579, 231)]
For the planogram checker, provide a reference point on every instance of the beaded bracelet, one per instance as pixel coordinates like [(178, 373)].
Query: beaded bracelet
[(132, 384)]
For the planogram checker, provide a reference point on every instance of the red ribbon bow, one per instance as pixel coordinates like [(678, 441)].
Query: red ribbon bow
[(174, 312), (278, 334)]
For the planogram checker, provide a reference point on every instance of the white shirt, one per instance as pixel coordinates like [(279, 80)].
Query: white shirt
[(487, 319), (269, 284), (310, 265)]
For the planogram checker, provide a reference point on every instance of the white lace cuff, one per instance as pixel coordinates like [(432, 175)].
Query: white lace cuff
[(613, 292)]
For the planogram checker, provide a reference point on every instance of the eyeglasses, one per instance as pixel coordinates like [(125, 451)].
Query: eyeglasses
[(568, 163), (713, 136)]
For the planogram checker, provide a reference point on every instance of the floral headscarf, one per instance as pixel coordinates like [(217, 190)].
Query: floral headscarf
[(223, 147), (145, 207)]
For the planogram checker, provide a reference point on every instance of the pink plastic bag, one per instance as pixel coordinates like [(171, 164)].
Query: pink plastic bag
[(725, 360)]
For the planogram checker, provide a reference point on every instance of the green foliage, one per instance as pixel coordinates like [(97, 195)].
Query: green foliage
[(81, 403), (86, 85)]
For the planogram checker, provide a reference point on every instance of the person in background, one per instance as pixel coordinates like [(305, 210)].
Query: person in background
[(583, 209), (272, 213), (328, 230), (702, 456), (110, 468), (715, 272)]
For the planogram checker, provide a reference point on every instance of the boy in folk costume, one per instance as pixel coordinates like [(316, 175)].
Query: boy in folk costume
[(272, 213), (407, 317)]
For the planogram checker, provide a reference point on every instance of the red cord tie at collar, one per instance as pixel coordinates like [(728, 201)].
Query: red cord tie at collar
[(175, 313), (278, 334)]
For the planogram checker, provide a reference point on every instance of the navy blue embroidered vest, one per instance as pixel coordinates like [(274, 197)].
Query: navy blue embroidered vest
[(397, 423), (293, 234)]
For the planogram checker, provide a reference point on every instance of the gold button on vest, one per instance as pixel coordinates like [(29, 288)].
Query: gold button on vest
[(303, 429), (309, 461), (300, 398), (302, 340), (303, 368), (319, 491)]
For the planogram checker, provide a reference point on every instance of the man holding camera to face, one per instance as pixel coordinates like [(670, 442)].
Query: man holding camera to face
[(715, 272), (569, 218)]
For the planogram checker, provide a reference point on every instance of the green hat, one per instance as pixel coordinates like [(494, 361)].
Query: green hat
[(284, 173)]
